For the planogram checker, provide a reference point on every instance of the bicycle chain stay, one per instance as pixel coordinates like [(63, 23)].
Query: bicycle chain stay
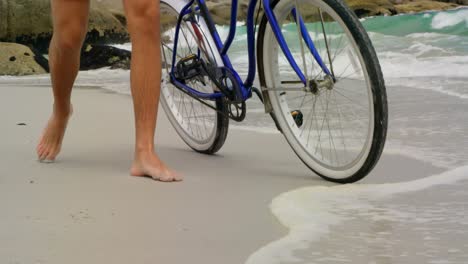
[(241, 109)]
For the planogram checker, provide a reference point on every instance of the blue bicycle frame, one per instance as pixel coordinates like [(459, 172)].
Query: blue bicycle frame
[(245, 86)]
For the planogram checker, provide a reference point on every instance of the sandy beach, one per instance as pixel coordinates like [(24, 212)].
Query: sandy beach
[(87, 209)]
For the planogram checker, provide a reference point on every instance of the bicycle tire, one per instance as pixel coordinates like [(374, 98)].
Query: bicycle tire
[(376, 86)]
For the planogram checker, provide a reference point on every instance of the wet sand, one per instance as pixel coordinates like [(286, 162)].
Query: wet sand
[(87, 209)]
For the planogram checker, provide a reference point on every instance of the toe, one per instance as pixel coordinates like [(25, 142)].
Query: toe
[(176, 176), (165, 179), (39, 148), (157, 175), (41, 153), (44, 155), (51, 156), (173, 176), (43, 150)]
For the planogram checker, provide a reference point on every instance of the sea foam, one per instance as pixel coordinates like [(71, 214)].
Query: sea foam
[(310, 212), (444, 20)]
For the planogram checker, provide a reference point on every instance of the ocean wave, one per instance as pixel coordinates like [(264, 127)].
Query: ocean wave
[(401, 65), (444, 20), (421, 49)]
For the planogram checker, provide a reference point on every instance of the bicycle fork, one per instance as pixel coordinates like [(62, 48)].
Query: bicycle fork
[(305, 36)]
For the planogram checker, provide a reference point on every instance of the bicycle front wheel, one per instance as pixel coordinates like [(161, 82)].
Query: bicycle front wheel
[(202, 126), (338, 126)]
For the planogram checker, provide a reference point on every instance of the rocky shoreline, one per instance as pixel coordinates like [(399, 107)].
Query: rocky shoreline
[(28, 25), (28, 22)]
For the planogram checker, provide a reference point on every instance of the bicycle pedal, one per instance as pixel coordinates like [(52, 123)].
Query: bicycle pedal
[(298, 117), (188, 67)]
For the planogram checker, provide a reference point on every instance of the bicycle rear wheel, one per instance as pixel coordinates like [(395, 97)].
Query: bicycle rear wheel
[(201, 127), (338, 130)]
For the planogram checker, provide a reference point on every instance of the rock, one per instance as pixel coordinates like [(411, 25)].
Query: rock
[(16, 59), (364, 8), (98, 56), (422, 5), (221, 11), (105, 26), (29, 22), (120, 15), (113, 5)]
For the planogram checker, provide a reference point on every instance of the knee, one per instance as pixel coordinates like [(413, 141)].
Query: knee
[(69, 37), (142, 14)]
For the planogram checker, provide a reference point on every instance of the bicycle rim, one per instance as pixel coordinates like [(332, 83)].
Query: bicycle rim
[(336, 132)]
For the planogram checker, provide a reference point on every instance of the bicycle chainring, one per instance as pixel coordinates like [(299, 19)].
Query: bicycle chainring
[(237, 111)]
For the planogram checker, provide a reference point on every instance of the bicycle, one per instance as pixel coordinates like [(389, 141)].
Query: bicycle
[(320, 81)]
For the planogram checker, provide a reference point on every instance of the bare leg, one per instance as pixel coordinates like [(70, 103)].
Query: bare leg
[(70, 18), (143, 25)]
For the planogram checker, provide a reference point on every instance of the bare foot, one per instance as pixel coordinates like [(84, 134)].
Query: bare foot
[(50, 142), (149, 165)]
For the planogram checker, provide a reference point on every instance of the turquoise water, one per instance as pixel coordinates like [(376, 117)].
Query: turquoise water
[(453, 22)]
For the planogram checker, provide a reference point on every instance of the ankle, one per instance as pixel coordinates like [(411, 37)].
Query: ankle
[(143, 151)]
